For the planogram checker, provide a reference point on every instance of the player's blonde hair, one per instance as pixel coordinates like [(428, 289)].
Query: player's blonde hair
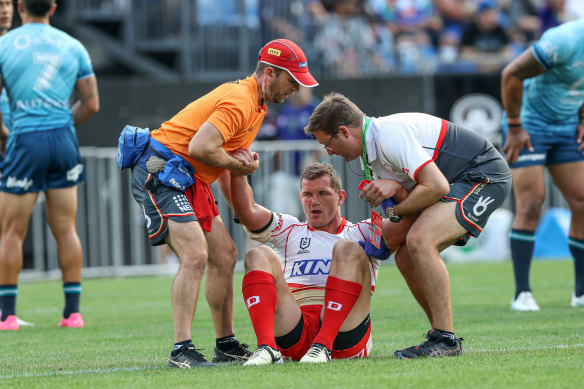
[(319, 169), (335, 110)]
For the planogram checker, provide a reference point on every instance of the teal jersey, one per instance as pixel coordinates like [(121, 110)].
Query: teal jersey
[(552, 99), (40, 65), (5, 108)]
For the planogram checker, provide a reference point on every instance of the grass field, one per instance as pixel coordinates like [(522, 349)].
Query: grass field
[(128, 336)]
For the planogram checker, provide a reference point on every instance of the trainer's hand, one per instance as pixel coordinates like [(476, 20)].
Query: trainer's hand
[(245, 170), (517, 139), (381, 253), (246, 156), (378, 190)]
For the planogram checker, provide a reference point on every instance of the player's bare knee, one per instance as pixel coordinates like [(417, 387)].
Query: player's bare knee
[(529, 207), (577, 207), (258, 258), (417, 244), (346, 250), (194, 260)]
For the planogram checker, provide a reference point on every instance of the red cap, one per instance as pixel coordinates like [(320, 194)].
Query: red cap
[(287, 55)]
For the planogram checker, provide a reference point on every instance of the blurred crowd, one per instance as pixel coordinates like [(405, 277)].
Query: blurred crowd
[(362, 37), (356, 38)]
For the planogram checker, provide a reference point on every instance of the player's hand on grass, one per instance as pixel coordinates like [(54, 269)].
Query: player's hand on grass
[(517, 140)]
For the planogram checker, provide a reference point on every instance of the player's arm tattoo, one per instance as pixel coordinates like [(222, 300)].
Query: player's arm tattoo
[(526, 66)]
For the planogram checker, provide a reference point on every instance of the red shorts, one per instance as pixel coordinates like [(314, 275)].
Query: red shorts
[(311, 316)]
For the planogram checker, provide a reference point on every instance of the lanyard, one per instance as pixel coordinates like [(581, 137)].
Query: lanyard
[(363, 135)]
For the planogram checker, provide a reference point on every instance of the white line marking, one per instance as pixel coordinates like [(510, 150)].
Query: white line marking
[(76, 372), (129, 369), (514, 348)]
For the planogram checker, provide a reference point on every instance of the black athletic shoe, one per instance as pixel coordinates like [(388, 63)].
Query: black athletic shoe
[(187, 357), (239, 353), (435, 346)]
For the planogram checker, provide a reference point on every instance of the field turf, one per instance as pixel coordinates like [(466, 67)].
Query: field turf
[(128, 337)]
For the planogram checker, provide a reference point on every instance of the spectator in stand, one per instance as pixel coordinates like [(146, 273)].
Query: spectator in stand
[(409, 17), (455, 14), (348, 43), (484, 40), (553, 14), (520, 17), (281, 19)]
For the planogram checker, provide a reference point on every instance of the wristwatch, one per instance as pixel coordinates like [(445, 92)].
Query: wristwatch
[(392, 216)]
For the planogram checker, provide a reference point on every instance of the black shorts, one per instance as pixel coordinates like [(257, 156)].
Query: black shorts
[(159, 203), (476, 202)]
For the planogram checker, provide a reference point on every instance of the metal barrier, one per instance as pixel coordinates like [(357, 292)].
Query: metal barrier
[(111, 224)]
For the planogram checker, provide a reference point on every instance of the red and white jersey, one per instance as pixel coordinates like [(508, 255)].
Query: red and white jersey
[(399, 145), (306, 254)]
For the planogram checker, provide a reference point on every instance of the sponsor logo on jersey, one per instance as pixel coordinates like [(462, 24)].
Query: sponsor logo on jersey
[(274, 52), (42, 103), (73, 174), (310, 267), (182, 203), (13, 182), (531, 157), (481, 206), (407, 171)]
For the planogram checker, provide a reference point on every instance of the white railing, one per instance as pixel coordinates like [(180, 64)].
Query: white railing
[(110, 223)]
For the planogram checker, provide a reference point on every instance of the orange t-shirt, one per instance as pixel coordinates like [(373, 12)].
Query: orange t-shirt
[(233, 108)]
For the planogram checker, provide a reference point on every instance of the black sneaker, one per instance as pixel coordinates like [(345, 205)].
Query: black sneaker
[(435, 346), (239, 353), (187, 357)]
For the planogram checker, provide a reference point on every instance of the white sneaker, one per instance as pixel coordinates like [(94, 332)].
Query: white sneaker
[(317, 353), (524, 302), (577, 301), (264, 355), (22, 322)]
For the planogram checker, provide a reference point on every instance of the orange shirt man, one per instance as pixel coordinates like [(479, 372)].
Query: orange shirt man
[(212, 134)]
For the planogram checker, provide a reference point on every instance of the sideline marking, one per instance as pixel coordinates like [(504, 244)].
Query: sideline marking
[(129, 369)]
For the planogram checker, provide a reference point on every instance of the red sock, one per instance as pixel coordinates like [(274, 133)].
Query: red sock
[(339, 298), (259, 295)]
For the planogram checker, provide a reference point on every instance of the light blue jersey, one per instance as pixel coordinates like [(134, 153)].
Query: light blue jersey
[(552, 99), (40, 66), (5, 108)]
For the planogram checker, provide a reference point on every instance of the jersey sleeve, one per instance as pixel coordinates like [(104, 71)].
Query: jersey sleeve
[(231, 113), (276, 231), (402, 149), (554, 48), (85, 67)]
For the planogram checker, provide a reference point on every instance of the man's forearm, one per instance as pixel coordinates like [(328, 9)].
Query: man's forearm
[(216, 157)]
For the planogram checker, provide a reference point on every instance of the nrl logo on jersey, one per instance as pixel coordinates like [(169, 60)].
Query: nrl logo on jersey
[(304, 243)]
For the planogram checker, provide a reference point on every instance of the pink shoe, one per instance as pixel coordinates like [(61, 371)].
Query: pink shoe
[(74, 321), (11, 323)]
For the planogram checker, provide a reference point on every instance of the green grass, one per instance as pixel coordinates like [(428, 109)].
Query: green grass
[(128, 336)]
